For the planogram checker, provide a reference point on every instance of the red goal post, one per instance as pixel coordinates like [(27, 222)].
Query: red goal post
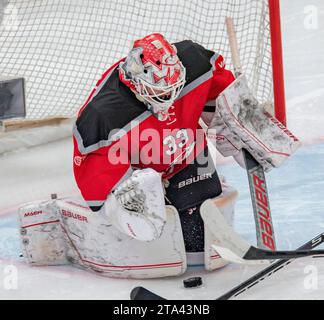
[(277, 61)]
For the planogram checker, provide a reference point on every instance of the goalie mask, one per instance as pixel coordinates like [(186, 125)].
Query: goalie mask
[(154, 72)]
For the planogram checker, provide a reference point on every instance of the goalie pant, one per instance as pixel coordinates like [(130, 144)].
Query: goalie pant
[(186, 191)]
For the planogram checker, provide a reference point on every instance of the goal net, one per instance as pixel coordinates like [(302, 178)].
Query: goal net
[(61, 47)]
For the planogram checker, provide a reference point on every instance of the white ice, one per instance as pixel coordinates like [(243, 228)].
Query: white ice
[(296, 192)]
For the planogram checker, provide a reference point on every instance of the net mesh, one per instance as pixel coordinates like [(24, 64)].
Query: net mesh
[(62, 47)]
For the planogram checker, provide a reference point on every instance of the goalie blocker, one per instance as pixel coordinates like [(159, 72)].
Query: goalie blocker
[(240, 122)]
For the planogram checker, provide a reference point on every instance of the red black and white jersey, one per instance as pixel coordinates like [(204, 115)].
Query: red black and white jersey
[(115, 132)]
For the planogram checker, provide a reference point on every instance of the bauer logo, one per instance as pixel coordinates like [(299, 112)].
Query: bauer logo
[(190, 181), (282, 127), (263, 210), (69, 214)]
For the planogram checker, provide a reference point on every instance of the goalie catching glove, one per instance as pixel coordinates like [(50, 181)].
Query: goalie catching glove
[(137, 206)]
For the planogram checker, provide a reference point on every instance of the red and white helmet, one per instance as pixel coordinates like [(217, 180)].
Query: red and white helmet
[(154, 72)]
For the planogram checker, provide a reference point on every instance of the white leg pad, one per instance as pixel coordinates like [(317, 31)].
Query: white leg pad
[(226, 204), (95, 244), (41, 235)]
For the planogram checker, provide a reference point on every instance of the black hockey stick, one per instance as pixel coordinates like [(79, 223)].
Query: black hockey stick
[(269, 271), (140, 293), (259, 254)]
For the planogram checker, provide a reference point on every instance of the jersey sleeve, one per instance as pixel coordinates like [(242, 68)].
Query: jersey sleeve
[(98, 165), (222, 78), (200, 61)]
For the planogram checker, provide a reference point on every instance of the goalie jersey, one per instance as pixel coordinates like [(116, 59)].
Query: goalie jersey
[(116, 133)]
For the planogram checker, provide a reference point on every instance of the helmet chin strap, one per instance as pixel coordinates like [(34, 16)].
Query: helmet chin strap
[(161, 115)]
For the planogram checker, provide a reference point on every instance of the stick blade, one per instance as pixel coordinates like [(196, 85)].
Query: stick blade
[(230, 256), (140, 293), (224, 234)]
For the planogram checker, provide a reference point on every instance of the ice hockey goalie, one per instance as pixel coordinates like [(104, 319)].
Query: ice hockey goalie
[(144, 167)]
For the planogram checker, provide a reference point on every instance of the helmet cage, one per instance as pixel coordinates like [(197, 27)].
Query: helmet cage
[(160, 98)]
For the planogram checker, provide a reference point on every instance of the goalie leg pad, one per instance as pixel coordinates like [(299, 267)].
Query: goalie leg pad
[(41, 235), (225, 203), (97, 245)]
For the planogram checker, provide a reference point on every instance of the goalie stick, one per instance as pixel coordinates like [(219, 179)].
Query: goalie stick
[(260, 203), (234, 248), (257, 182), (141, 293)]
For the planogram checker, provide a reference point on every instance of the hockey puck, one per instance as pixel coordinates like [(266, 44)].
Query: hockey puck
[(193, 282)]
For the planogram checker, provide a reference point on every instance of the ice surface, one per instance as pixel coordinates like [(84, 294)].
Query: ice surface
[(296, 194), (304, 68), (298, 213)]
